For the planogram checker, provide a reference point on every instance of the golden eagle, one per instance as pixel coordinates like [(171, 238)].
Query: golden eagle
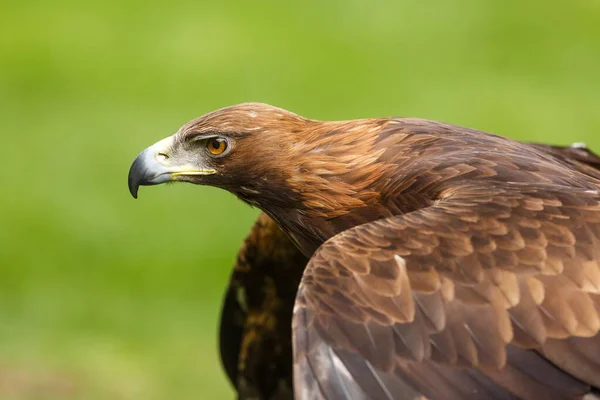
[(399, 258)]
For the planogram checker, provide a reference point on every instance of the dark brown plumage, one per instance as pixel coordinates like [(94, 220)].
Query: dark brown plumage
[(256, 331), (429, 260)]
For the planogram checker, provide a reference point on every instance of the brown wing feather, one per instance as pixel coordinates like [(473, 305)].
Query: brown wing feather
[(577, 156), (255, 333), (485, 291)]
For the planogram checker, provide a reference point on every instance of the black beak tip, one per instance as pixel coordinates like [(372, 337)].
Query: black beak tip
[(133, 191), (134, 178), (133, 187)]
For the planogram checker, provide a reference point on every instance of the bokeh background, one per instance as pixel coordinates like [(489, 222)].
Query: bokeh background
[(104, 297)]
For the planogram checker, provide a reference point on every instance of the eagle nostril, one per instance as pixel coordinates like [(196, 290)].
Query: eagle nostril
[(161, 157)]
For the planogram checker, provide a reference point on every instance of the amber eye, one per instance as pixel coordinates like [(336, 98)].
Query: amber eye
[(217, 146)]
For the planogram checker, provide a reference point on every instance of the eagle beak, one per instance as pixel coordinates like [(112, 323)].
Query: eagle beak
[(156, 165)]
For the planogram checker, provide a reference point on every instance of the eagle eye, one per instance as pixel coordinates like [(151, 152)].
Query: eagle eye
[(217, 146)]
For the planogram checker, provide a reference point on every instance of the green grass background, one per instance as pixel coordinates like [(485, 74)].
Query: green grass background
[(104, 297)]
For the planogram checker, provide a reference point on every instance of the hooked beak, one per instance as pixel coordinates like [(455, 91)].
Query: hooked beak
[(156, 165)]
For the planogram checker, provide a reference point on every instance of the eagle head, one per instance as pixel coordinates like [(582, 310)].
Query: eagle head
[(241, 149)]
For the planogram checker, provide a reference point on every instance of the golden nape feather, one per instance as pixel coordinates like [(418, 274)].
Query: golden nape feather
[(399, 258)]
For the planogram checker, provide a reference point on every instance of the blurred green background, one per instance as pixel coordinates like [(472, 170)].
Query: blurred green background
[(104, 297)]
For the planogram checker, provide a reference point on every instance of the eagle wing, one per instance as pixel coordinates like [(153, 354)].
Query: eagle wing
[(490, 292), (255, 334)]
